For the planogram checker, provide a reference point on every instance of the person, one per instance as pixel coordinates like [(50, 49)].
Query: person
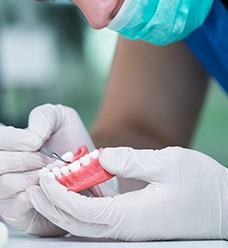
[(154, 96)]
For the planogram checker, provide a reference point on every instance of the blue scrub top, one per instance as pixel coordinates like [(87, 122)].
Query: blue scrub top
[(210, 43)]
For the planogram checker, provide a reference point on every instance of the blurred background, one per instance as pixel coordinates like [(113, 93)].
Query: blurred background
[(48, 53)]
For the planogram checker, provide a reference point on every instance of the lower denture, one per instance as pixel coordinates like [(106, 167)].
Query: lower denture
[(87, 176)]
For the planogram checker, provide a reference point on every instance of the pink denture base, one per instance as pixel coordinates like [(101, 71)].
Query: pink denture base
[(88, 176)]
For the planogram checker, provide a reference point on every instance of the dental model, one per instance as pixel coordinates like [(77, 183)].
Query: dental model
[(83, 172)]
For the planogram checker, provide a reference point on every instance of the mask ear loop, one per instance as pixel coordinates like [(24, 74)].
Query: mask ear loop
[(55, 1), (43, 1)]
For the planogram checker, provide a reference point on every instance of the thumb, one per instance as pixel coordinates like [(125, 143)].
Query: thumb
[(16, 139), (44, 120), (127, 162)]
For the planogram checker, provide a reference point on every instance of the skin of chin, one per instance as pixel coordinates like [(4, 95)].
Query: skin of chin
[(99, 13)]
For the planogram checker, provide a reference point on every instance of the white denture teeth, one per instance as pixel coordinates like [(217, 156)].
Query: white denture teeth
[(64, 170), (85, 160), (75, 166), (94, 154), (51, 175), (57, 172), (68, 156)]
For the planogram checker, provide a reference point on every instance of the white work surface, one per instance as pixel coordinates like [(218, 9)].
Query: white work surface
[(18, 240)]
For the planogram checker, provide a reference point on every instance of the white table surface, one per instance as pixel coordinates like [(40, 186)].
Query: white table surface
[(19, 240)]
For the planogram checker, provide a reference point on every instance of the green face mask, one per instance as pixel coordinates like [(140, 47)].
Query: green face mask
[(160, 21)]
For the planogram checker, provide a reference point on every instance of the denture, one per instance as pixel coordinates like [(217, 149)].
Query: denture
[(83, 172)]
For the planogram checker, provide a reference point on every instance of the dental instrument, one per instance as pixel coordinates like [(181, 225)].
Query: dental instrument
[(46, 151)]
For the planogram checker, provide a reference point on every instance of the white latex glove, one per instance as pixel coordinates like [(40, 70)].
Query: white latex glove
[(18, 170), (58, 128), (186, 198), (4, 233)]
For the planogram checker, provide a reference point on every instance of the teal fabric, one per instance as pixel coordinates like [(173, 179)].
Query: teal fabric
[(160, 21)]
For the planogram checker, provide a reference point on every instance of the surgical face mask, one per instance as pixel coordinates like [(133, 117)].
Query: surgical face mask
[(160, 21)]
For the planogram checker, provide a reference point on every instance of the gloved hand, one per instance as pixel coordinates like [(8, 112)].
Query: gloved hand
[(4, 234), (186, 198), (54, 126), (18, 170)]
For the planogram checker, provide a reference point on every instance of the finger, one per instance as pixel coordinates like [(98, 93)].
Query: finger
[(14, 210), (63, 219), (85, 209), (16, 139), (13, 183), (46, 119), (21, 161), (139, 164), (60, 123), (20, 213)]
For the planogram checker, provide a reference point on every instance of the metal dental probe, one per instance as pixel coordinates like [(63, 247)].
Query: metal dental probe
[(46, 151)]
